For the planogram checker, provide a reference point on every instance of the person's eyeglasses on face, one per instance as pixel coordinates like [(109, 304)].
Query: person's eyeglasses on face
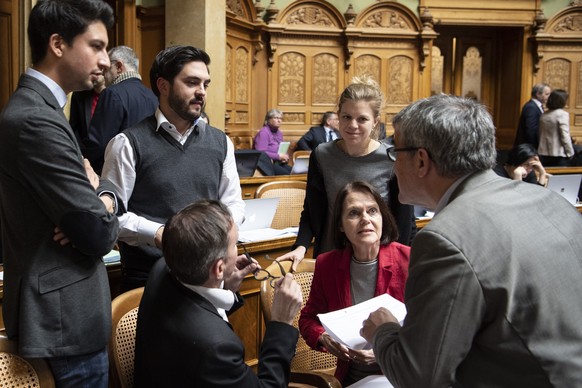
[(392, 152)]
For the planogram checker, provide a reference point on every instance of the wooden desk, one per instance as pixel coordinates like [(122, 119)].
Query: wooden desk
[(563, 170), (250, 185)]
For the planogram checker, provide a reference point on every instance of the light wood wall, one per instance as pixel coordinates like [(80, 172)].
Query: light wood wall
[(300, 59), (330, 44)]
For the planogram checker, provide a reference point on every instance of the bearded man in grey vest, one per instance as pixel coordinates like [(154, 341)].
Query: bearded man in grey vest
[(169, 160)]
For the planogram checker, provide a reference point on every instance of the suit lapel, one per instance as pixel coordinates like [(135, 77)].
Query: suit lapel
[(41, 89)]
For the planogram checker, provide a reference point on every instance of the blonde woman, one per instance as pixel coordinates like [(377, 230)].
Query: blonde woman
[(356, 156)]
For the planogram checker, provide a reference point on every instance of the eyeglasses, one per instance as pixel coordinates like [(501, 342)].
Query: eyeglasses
[(392, 152), (262, 274)]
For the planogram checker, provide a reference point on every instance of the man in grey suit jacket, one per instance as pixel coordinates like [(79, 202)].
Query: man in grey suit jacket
[(493, 293), (56, 215)]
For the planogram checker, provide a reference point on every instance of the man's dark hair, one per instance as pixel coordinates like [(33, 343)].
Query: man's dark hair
[(520, 154), (194, 238), (68, 18), (170, 61), (389, 227)]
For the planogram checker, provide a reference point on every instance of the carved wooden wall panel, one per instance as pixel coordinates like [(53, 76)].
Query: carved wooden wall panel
[(228, 76), (325, 79), (243, 43), (400, 82), (437, 71), (242, 69), (306, 59), (395, 37), (558, 73), (368, 66), (559, 49), (472, 74), (291, 82)]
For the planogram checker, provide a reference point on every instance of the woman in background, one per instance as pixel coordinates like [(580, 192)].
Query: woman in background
[(523, 164), (356, 156), (367, 262), (268, 140), (555, 146)]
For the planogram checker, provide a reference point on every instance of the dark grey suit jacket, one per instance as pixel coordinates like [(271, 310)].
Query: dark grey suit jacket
[(56, 298), (312, 138), (528, 130), (493, 293)]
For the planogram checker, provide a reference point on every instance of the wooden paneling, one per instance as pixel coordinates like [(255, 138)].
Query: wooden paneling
[(244, 91), (151, 38), (8, 49), (559, 54)]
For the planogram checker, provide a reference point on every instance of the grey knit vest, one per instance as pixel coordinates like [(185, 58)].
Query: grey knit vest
[(170, 176)]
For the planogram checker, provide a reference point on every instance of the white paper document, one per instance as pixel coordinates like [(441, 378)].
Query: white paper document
[(265, 234), (379, 381), (344, 325)]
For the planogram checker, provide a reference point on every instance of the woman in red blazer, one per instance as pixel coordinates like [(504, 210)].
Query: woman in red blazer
[(367, 262)]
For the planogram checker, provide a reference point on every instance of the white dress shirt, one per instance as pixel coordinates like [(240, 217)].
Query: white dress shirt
[(119, 168), (221, 299), (328, 132)]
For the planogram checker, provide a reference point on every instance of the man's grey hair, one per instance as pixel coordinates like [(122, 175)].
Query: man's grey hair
[(458, 133), (538, 88), (126, 55)]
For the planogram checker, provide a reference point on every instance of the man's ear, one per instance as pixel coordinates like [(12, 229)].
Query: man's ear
[(163, 86), (217, 269), (424, 162), (55, 45), (120, 67)]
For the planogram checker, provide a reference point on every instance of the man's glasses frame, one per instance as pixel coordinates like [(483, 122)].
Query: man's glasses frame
[(262, 274), (392, 152)]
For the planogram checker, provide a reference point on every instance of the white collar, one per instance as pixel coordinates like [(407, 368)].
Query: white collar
[(221, 299), (55, 88), (171, 128)]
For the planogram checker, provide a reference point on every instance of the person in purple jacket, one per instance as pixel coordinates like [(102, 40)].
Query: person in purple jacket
[(268, 139)]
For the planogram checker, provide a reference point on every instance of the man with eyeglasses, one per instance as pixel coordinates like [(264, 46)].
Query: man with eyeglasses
[(183, 335), (493, 293)]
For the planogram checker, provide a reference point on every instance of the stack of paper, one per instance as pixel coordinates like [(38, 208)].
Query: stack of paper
[(344, 325)]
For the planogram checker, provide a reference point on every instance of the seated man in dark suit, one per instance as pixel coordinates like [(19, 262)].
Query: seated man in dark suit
[(183, 334), (327, 131)]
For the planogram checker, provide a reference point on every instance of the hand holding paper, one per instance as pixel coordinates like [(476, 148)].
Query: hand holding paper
[(376, 318), (344, 325)]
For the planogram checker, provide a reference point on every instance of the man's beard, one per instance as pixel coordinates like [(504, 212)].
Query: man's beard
[(182, 108)]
